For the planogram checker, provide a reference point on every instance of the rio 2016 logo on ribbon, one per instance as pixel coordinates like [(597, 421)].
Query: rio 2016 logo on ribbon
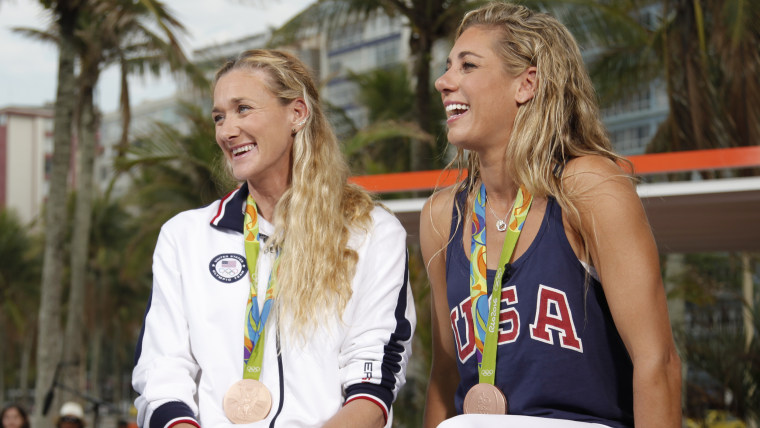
[(228, 268)]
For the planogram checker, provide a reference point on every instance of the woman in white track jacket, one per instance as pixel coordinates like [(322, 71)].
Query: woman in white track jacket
[(334, 348)]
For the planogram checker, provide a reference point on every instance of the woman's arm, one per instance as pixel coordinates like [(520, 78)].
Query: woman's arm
[(380, 321), (435, 220), (623, 251), (357, 413), (165, 369)]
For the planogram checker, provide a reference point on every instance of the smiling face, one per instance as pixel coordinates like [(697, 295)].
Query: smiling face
[(481, 99), (254, 128)]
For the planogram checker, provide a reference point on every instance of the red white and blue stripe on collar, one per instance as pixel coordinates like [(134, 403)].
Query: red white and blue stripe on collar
[(229, 214)]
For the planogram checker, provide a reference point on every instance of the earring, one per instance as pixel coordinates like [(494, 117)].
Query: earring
[(298, 125)]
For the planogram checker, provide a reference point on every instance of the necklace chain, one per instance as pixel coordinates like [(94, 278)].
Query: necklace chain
[(501, 225)]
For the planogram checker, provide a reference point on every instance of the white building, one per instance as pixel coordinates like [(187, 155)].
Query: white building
[(360, 47), (631, 123), (26, 149)]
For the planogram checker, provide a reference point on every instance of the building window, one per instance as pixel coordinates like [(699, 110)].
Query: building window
[(632, 140), (48, 166), (342, 94), (347, 35), (386, 53), (639, 101), (336, 66)]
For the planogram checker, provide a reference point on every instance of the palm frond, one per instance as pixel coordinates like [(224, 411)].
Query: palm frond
[(46, 36), (323, 14), (379, 132)]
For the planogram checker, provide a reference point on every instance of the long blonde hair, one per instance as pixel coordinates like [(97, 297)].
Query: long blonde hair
[(315, 216), (561, 121)]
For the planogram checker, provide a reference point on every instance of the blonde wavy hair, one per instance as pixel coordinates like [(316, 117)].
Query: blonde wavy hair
[(561, 121), (316, 215)]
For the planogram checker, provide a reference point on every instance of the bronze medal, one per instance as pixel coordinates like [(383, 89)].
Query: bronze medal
[(484, 398), (247, 401)]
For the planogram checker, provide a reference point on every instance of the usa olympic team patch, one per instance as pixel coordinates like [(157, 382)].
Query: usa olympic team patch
[(228, 268)]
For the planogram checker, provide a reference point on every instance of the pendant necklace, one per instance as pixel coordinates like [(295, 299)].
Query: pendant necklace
[(501, 225), (485, 396)]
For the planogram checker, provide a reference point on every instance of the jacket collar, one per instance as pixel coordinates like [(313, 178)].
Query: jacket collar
[(230, 213)]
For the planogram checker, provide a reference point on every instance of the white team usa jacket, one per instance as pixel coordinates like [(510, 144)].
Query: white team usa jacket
[(191, 348)]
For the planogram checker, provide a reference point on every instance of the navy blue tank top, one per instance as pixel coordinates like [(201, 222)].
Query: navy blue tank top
[(559, 354)]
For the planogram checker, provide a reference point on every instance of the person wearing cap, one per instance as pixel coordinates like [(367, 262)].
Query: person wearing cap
[(70, 416)]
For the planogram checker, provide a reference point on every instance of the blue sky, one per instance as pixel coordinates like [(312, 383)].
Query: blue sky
[(28, 68)]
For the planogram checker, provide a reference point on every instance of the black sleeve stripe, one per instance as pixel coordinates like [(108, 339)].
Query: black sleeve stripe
[(168, 412), (282, 381), (138, 347), (395, 348)]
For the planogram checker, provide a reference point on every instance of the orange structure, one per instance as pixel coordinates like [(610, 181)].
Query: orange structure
[(686, 216), (696, 160)]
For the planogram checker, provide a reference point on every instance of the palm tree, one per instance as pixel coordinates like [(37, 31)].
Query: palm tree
[(723, 366), (721, 360), (731, 370), (138, 49), (704, 51), (429, 20), (113, 31), (19, 272), (101, 32), (66, 15), (380, 147), (115, 302)]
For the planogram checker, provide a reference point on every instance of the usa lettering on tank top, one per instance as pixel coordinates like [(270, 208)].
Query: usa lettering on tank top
[(559, 354)]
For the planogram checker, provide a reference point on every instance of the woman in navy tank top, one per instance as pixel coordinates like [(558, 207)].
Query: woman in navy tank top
[(581, 333)]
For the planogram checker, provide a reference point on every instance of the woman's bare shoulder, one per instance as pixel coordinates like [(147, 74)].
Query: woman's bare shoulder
[(435, 219), (590, 174), (441, 202)]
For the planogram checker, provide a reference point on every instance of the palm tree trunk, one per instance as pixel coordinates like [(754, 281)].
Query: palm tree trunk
[(49, 335), (420, 157), (96, 349), (73, 350), (23, 373), (126, 111)]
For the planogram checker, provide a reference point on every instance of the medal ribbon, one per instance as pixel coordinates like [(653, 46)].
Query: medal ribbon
[(253, 344), (487, 335)]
